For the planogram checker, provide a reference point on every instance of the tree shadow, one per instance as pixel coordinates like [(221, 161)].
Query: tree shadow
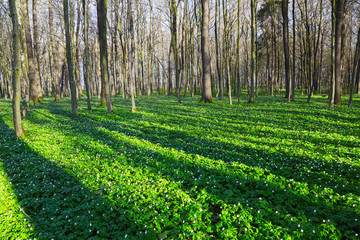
[(263, 191), (54, 199), (278, 161)]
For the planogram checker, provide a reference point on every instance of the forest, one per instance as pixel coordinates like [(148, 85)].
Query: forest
[(179, 119)]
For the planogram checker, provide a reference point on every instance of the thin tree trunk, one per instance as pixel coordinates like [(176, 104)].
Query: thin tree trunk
[(253, 56), (37, 49), (87, 54), (355, 67), (102, 26), (173, 24), (205, 52), (294, 54), (132, 57), (339, 15), (238, 53), (74, 107), (285, 9), (14, 6), (170, 71), (333, 81), (34, 93)]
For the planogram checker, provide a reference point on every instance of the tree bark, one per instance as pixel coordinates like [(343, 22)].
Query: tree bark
[(132, 56), (294, 54), (285, 10), (74, 107), (150, 74), (218, 64), (34, 93), (173, 24), (339, 15), (14, 6), (37, 49), (102, 27), (253, 56), (205, 52), (87, 54)]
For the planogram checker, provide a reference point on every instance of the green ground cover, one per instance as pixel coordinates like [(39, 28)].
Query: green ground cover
[(267, 170)]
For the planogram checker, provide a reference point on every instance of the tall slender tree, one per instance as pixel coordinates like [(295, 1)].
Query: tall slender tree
[(132, 56), (14, 6), (150, 74), (102, 26), (339, 15), (218, 64), (253, 55), (205, 52), (69, 58), (285, 10), (37, 48), (174, 43), (34, 91), (87, 53), (294, 53)]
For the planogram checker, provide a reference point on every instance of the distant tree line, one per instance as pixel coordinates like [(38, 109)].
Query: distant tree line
[(188, 47)]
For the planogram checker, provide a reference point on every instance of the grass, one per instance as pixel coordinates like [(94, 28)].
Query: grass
[(267, 170)]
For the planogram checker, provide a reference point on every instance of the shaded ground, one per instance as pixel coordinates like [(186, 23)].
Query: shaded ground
[(267, 170)]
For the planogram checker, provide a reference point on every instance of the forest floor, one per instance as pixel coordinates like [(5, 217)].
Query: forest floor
[(267, 170)]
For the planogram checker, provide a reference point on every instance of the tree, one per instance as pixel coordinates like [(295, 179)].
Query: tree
[(253, 55), (34, 91), (54, 63), (37, 48), (227, 49), (218, 68), (74, 108), (87, 53), (294, 54), (150, 74), (15, 15), (102, 16), (174, 45), (339, 18), (285, 9), (132, 56), (205, 52)]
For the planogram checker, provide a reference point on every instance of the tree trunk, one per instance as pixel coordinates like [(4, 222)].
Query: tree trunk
[(294, 54), (77, 52), (339, 15), (87, 54), (309, 54), (102, 27), (132, 57), (14, 6), (218, 64), (150, 74), (285, 9), (74, 107), (34, 93), (173, 24), (333, 82), (37, 49), (238, 88), (355, 67), (205, 52), (253, 56), (170, 72)]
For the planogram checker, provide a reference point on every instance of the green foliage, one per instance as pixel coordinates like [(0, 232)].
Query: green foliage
[(267, 170)]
